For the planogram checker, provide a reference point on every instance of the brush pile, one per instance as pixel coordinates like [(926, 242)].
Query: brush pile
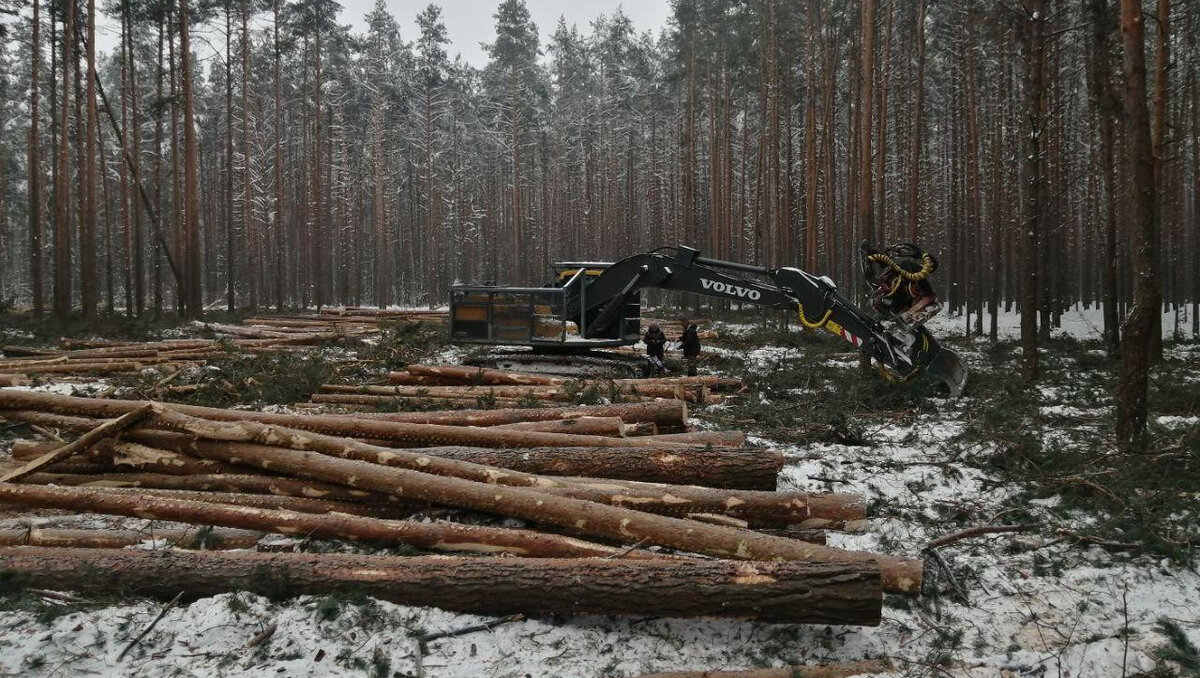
[(598, 521)]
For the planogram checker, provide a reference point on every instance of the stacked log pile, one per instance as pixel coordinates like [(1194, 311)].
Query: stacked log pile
[(254, 335), (593, 504), (462, 385)]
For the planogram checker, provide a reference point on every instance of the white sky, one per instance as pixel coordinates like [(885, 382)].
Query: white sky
[(469, 23)]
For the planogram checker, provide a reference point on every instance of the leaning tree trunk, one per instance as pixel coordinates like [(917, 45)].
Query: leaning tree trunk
[(842, 594)]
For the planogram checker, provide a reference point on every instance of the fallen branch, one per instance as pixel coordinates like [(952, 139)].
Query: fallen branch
[(975, 532), (161, 613)]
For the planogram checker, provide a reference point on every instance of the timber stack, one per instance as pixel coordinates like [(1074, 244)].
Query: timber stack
[(458, 385), (636, 518), (283, 333)]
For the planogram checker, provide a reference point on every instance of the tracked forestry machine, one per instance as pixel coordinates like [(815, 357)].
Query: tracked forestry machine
[(598, 305)]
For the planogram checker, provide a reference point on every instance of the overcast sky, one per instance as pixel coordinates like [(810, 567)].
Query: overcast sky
[(469, 23)]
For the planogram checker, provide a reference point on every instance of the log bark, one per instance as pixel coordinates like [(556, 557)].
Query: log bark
[(728, 468), (612, 427), (216, 482), (429, 434), (124, 456), (477, 375), (902, 575), (14, 380), (843, 670), (373, 403), (438, 535), (668, 415), (770, 592), (713, 438), (396, 510), (111, 428), (117, 539)]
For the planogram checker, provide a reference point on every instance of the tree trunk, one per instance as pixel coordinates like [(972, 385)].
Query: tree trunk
[(35, 168), (62, 195), (207, 540), (716, 467), (434, 434), (439, 536), (769, 592), (1105, 102), (108, 429), (194, 305), (1035, 91), (612, 427), (585, 517), (1143, 220)]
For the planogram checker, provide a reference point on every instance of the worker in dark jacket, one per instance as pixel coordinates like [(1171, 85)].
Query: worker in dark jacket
[(691, 346), (656, 345)]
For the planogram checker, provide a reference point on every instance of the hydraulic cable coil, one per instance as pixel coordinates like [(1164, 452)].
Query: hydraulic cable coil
[(928, 266)]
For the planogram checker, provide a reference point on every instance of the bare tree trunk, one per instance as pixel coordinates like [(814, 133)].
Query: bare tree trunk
[(1136, 347), (1035, 91), (194, 306), (440, 536), (914, 164), (35, 168), (62, 195)]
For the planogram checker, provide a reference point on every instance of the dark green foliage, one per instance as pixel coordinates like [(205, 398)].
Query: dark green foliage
[(404, 343), (1179, 648), (238, 379)]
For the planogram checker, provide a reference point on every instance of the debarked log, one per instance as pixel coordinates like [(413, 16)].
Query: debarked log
[(816, 593), (437, 535)]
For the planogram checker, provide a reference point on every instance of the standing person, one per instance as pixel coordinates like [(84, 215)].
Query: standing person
[(656, 345), (691, 346)]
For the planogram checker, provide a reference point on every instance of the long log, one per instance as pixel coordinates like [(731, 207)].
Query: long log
[(217, 482), (747, 508), (902, 575), (110, 428), (124, 455), (728, 468), (117, 539), (714, 438), (427, 434), (842, 670), (14, 380), (668, 415), (374, 403), (477, 375), (770, 592), (438, 535), (612, 427)]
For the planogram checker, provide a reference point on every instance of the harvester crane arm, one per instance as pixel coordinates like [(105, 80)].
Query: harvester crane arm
[(900, 352)]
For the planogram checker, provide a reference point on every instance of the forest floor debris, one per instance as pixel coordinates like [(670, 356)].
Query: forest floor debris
[(1104, 586)]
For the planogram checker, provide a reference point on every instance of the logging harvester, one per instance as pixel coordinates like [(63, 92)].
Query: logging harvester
[(597, 305)]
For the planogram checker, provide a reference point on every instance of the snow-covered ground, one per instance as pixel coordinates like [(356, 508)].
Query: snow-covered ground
[(1091, 618)]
